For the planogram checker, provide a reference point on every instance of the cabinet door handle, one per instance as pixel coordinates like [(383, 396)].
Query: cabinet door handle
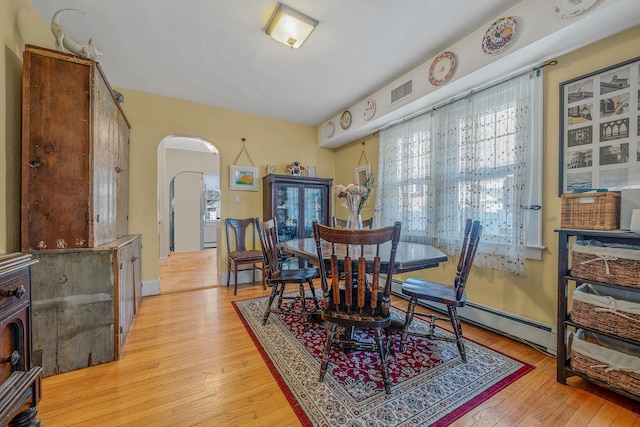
[(17, 292), (118, 169), (35, 164), (13, 359), (134, 258)]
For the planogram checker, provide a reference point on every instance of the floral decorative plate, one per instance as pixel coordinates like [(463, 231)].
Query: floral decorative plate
[(345, 119), (570, 8), (442, 68), (329, 129), (369, 109), (499, 35)]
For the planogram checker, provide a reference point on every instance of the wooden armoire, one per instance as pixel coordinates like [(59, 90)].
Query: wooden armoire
[(75, 178)]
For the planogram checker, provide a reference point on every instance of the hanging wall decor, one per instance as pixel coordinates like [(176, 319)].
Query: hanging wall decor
[(442, 68), (243, 178), (600, 129), (499, 35)]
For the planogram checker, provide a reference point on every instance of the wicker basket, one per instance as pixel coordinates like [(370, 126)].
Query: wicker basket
[(607, 310), (606, 264), (599, 358), (591, 211)]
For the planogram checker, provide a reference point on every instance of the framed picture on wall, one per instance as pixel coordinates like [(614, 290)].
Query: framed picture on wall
[(243, 178), (362, 173), (600, 129)]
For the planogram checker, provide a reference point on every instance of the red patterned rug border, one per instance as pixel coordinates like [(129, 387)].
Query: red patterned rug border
[(442, 422)]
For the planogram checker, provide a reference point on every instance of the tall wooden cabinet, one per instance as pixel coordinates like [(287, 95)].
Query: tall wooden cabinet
[(295, 201), (75, 190), (75, 154)]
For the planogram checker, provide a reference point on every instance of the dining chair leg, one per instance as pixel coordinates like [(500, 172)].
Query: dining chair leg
[(391, 350), (253, 273), (324, 364), (280, 294), (303, 305), (313, 293), (267, 312), (407, 322), (228, 272), (457, 329), (383, 352), (235, 280)]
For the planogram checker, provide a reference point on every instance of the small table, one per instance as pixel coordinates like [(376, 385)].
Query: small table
[(409, 256)]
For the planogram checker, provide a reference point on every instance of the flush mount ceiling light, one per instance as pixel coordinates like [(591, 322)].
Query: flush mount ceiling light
[(288, 26)]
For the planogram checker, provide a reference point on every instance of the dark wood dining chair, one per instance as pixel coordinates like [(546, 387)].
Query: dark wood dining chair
[(451, 296), (279, 278), (342, 223), (358, 301), (239, 256)]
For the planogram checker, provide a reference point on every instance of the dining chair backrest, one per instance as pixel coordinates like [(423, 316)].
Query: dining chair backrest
[(472, 233), (237, 230), (356, 253), (342, 223), (268, 233)]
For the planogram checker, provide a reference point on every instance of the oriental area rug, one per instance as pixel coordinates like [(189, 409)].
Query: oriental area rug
[(431, 386)]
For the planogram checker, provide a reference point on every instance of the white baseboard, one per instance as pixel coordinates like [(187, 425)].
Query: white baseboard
[(243, 277), (150, 287), (540, 335)]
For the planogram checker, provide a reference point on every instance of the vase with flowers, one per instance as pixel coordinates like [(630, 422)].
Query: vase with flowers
[(355, 196), (294, 168)]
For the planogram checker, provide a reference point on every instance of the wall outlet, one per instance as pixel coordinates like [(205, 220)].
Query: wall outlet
[(237, 198)]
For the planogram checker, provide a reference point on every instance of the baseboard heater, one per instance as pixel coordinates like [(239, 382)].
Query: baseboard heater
[(535, 334)]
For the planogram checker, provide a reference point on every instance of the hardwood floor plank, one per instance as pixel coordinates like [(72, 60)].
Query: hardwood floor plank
[(189, 361)]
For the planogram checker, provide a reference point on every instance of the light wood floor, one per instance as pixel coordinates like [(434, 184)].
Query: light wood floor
[(188, 271), (189, 361)]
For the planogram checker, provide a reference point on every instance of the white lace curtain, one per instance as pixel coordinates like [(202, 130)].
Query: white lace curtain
[(467, 159)]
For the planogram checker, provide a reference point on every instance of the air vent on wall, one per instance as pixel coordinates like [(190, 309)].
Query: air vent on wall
[(401, 91)]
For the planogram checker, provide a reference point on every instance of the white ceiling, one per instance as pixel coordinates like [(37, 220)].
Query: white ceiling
[(215, 52)]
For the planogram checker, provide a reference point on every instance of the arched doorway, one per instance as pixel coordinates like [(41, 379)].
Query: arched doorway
[(188, 210)]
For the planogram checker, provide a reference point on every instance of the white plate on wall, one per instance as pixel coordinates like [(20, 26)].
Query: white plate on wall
[(369, 109), (570, 8)]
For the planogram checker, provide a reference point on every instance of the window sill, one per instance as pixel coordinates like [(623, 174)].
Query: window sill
[(535, 252)]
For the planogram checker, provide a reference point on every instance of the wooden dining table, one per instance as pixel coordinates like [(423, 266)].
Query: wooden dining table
[(409, 256)]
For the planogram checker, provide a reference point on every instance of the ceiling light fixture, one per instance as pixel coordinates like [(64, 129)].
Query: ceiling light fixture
[(288, 26)]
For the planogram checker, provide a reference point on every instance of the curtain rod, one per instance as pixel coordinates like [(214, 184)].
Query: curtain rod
[(468, 93)]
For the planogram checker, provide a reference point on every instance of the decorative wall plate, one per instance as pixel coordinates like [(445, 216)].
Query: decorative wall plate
[(345, 119), (499, 35), (570, 8), (329, 129), (369, 109), (442, 68)]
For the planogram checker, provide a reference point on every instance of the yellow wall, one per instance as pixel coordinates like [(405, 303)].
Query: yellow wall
[(533, 295), (268, 141), (20, 24)]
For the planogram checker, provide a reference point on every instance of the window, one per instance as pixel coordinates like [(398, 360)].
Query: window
[(477, 157)]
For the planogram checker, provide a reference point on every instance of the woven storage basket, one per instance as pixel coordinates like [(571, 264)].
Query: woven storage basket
[(602, 359), (606, 264), (607, 310), (591, 211)]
